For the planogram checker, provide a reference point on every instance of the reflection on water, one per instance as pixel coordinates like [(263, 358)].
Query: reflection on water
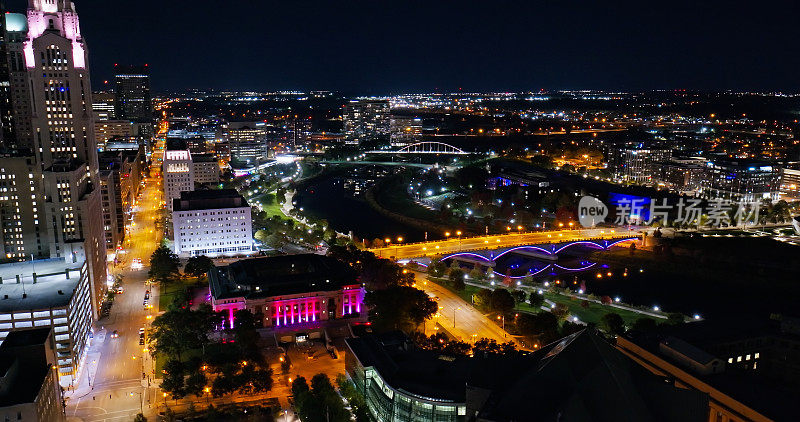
[(339, 199)]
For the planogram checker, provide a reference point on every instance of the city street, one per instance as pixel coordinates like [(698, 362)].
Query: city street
[(452, 245), (460, 318), (113, 385)]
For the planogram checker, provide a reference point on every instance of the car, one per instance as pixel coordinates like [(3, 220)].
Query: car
[(141, 341), (120, 290), (136, 264), (114, 334)]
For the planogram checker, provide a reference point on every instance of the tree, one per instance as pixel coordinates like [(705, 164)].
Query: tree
[(612, 323), (456, 278), (543, 324), (675, 318), (437, 268), (519, 296), (163, 264), (399, 307), (195, 383), (644, 325), (488, 347), (181, 329), (536, 300), (139, 418), (477, 275), (173, 381), (198, 266), (482, 299), (501, 301), (561, 311)]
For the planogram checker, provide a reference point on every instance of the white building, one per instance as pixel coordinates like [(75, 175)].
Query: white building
[(212, 223), (49, 293), (178, 171)]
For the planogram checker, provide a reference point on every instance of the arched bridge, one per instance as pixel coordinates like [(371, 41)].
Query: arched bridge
[(548, 252), (438, 148)]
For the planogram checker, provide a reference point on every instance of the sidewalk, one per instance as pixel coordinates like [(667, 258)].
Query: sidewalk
[(86, 372)]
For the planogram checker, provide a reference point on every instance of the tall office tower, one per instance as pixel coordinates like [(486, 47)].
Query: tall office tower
[(53, 208), (366, 119), (103, 104), (178, 170), (133, 100)]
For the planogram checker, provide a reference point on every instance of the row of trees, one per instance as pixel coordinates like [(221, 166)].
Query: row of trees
[(196, 365), (393, 302), (320, 402)]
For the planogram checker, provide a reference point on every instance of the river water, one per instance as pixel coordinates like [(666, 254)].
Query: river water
[(339, 199)]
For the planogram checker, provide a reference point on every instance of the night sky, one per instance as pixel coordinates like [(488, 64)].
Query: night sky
[(376, 47)]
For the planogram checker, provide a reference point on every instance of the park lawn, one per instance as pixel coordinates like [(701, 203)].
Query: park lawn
[(161, 360), (271, 205), (591, 314), (168, 293)]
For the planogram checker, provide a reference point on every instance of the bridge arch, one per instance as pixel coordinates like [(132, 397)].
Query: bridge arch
[(431, 147)]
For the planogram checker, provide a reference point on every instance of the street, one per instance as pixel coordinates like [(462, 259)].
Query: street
[(460, 318), (113, 385)]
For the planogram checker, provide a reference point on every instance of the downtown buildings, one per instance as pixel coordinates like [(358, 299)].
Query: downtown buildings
[(50, 199), (132, 101), (366, 120)]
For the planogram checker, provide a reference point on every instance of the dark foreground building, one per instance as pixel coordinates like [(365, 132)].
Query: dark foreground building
[(579, 378), (29, 389)]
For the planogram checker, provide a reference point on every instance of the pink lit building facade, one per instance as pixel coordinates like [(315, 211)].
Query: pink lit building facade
[(288, 293), (299, 310)]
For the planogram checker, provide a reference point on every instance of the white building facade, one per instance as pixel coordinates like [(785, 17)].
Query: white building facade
[(178, 174), (212, 223)]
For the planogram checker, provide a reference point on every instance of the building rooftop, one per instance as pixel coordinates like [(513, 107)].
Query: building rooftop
[(53, 288), (279, 275), (176, 144), (204, 158), (209, 199), (766, 396), (580, 377), (21, 377)]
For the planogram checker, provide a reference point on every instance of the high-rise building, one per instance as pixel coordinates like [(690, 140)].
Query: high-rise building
[(636, 164), (247, 141), (133, 101), (178, 170), (109, 129), (366, 119), (405, 130), (103, 103), (52, 207)]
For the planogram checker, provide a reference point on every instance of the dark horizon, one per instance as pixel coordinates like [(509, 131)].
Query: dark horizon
[(414, 46)]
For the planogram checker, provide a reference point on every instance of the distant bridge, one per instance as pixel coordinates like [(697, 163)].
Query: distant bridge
[(434, 148)]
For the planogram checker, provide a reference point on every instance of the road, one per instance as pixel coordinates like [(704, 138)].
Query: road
[(460, 318), (416, 250), (116, 390)]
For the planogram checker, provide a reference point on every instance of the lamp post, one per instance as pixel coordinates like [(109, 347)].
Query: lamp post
[(141, 399)]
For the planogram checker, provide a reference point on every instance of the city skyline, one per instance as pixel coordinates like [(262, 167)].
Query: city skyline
[(420, 47)]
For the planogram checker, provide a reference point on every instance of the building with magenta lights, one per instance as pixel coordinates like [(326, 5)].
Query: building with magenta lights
[(291, 293)]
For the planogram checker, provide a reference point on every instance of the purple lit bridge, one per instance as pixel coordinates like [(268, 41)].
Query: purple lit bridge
[(548, 252)]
